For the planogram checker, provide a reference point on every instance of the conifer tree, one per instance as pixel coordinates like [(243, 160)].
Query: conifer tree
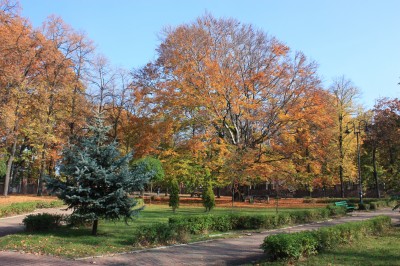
[(208, 197), (174, 195), (95, 180)]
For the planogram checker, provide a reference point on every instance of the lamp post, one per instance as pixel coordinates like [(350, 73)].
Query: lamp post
[(356, 129)]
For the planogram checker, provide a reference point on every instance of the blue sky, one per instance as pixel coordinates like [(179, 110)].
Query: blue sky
[(356, 38)]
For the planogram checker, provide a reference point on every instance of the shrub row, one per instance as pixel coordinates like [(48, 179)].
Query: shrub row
[(375, 205), (180, 227), (296, 245), (42, 221), (159, 234), (24, 207), (368, 203), (350, 200), (204, 223)]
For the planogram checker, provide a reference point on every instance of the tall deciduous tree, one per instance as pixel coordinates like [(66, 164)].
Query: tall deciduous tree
[(344, 93), (384, 140), (20, 51), (218, 77)]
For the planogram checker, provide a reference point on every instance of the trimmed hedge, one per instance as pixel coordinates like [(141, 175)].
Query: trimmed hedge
[(24, 207), (296, 245), (42, 222), (384, 202), (159, 234), (374, 205), (364, 206), (368, 203), (200, 224), (179, 227)]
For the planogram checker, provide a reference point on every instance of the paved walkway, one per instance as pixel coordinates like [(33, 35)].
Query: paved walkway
[(217, 252)]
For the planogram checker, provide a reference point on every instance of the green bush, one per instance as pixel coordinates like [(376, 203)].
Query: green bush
[(295, 245), (222, 223), (308, 216), (374, 205), (202, 223), (208, 198), (284, 219), (336, 210), (291, 246), (42, 222), (349, 200), (159, 234), (363, 206), (197, 224), (246, 222), (174, 195)]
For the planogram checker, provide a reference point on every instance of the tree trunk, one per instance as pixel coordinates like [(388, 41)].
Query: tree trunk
[(218, 192), (277, 198), (378, 194), (94, 228), (41, 174), (24, 183), (341, 181), (341, 154), (9, 167)]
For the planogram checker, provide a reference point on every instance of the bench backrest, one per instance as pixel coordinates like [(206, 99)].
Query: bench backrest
[(341, 203)]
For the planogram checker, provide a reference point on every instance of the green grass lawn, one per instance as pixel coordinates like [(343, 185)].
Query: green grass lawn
[(112, 237), (375, 250)]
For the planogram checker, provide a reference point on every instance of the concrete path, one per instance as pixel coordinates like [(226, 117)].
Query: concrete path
[(217, 252)]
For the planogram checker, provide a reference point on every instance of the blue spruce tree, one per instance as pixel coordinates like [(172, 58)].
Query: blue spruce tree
[(95, 180)]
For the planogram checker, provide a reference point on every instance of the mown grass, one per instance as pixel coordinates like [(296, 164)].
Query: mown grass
[(26, 207), (381, 250), (113, 237)]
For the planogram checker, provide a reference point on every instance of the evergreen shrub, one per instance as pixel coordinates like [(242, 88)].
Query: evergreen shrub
[(363, 206), (208, 198), (42, 222)]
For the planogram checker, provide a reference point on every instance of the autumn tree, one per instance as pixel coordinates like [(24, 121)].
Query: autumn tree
[(56, 93), (344, 93), (220, 78), (17, 77), (383, 143), (41, 80)]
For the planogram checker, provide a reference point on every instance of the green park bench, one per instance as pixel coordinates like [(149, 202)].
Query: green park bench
[(344, 203)]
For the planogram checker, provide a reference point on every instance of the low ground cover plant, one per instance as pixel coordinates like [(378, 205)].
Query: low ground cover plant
[(303, 244), (24, 207)]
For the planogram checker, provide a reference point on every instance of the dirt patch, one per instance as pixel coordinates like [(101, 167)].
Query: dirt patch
[(24, 198)]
